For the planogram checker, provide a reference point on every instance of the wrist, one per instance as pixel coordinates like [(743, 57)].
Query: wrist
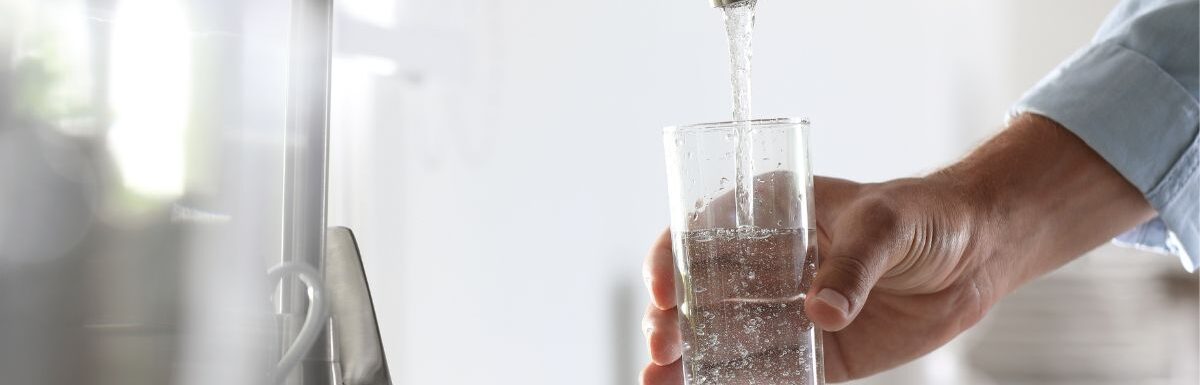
[(1041, 198), (1009, 188), (994, 229)]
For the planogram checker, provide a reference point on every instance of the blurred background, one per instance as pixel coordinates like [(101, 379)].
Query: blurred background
[(503, 167), (501, 164)]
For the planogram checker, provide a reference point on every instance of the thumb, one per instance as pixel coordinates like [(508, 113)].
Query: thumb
[(858, 258)]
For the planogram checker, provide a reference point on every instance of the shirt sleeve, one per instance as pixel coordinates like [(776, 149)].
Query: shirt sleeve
[(1132, 96)]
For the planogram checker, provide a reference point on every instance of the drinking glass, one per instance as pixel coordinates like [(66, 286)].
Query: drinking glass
[(741, 278)]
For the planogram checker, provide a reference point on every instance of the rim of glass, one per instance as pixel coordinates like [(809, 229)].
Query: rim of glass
[(730, 125)]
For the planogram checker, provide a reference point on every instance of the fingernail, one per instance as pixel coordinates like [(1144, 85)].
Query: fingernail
[(835, 299), (647, 330)]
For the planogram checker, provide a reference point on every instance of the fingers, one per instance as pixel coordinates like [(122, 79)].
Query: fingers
[(659, 273), (655, 374), (731, 330), (775, 366), (662, 335), (661, 323), (762, 268), (858, 258)]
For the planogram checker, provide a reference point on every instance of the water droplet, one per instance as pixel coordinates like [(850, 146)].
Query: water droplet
[(724, 183)]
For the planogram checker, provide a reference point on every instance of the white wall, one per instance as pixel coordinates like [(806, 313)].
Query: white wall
[(501, 161)]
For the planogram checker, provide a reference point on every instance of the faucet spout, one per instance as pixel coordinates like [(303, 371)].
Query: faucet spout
[(727, 3)]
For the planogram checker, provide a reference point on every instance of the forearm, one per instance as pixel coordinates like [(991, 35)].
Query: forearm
[(1045, 199)]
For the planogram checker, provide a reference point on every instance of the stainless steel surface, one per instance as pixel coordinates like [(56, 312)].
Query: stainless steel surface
[(307, 130), (359, 354), (305, 170)]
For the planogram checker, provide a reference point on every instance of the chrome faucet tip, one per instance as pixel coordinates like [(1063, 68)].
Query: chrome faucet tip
[(726, 3)]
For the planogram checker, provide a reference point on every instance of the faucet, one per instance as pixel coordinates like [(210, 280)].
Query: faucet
[(726, 3)]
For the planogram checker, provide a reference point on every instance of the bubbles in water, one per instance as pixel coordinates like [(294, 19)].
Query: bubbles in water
[(749, 325)]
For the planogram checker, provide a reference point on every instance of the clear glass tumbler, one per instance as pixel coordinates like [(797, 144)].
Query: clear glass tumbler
[(741, 278)]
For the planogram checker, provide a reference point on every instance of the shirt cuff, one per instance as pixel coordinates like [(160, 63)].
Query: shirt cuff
[(1144, 123)]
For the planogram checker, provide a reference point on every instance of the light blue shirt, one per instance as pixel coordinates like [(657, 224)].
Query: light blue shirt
[(1132, 95)]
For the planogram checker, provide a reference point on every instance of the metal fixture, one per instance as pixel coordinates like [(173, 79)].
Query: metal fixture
[(728, 3)]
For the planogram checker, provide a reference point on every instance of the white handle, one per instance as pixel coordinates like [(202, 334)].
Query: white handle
[(318, 313)]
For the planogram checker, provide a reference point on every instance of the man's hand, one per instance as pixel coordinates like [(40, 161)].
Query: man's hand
[(906, 265), (903, 244)]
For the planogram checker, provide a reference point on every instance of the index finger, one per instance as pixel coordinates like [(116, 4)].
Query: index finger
[(659, 273)]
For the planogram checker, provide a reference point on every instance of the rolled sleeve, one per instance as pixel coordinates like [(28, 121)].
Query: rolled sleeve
[(1142, 116)]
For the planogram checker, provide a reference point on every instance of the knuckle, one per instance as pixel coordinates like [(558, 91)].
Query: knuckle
[(648, 322), (656, 318), (881, 213)]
